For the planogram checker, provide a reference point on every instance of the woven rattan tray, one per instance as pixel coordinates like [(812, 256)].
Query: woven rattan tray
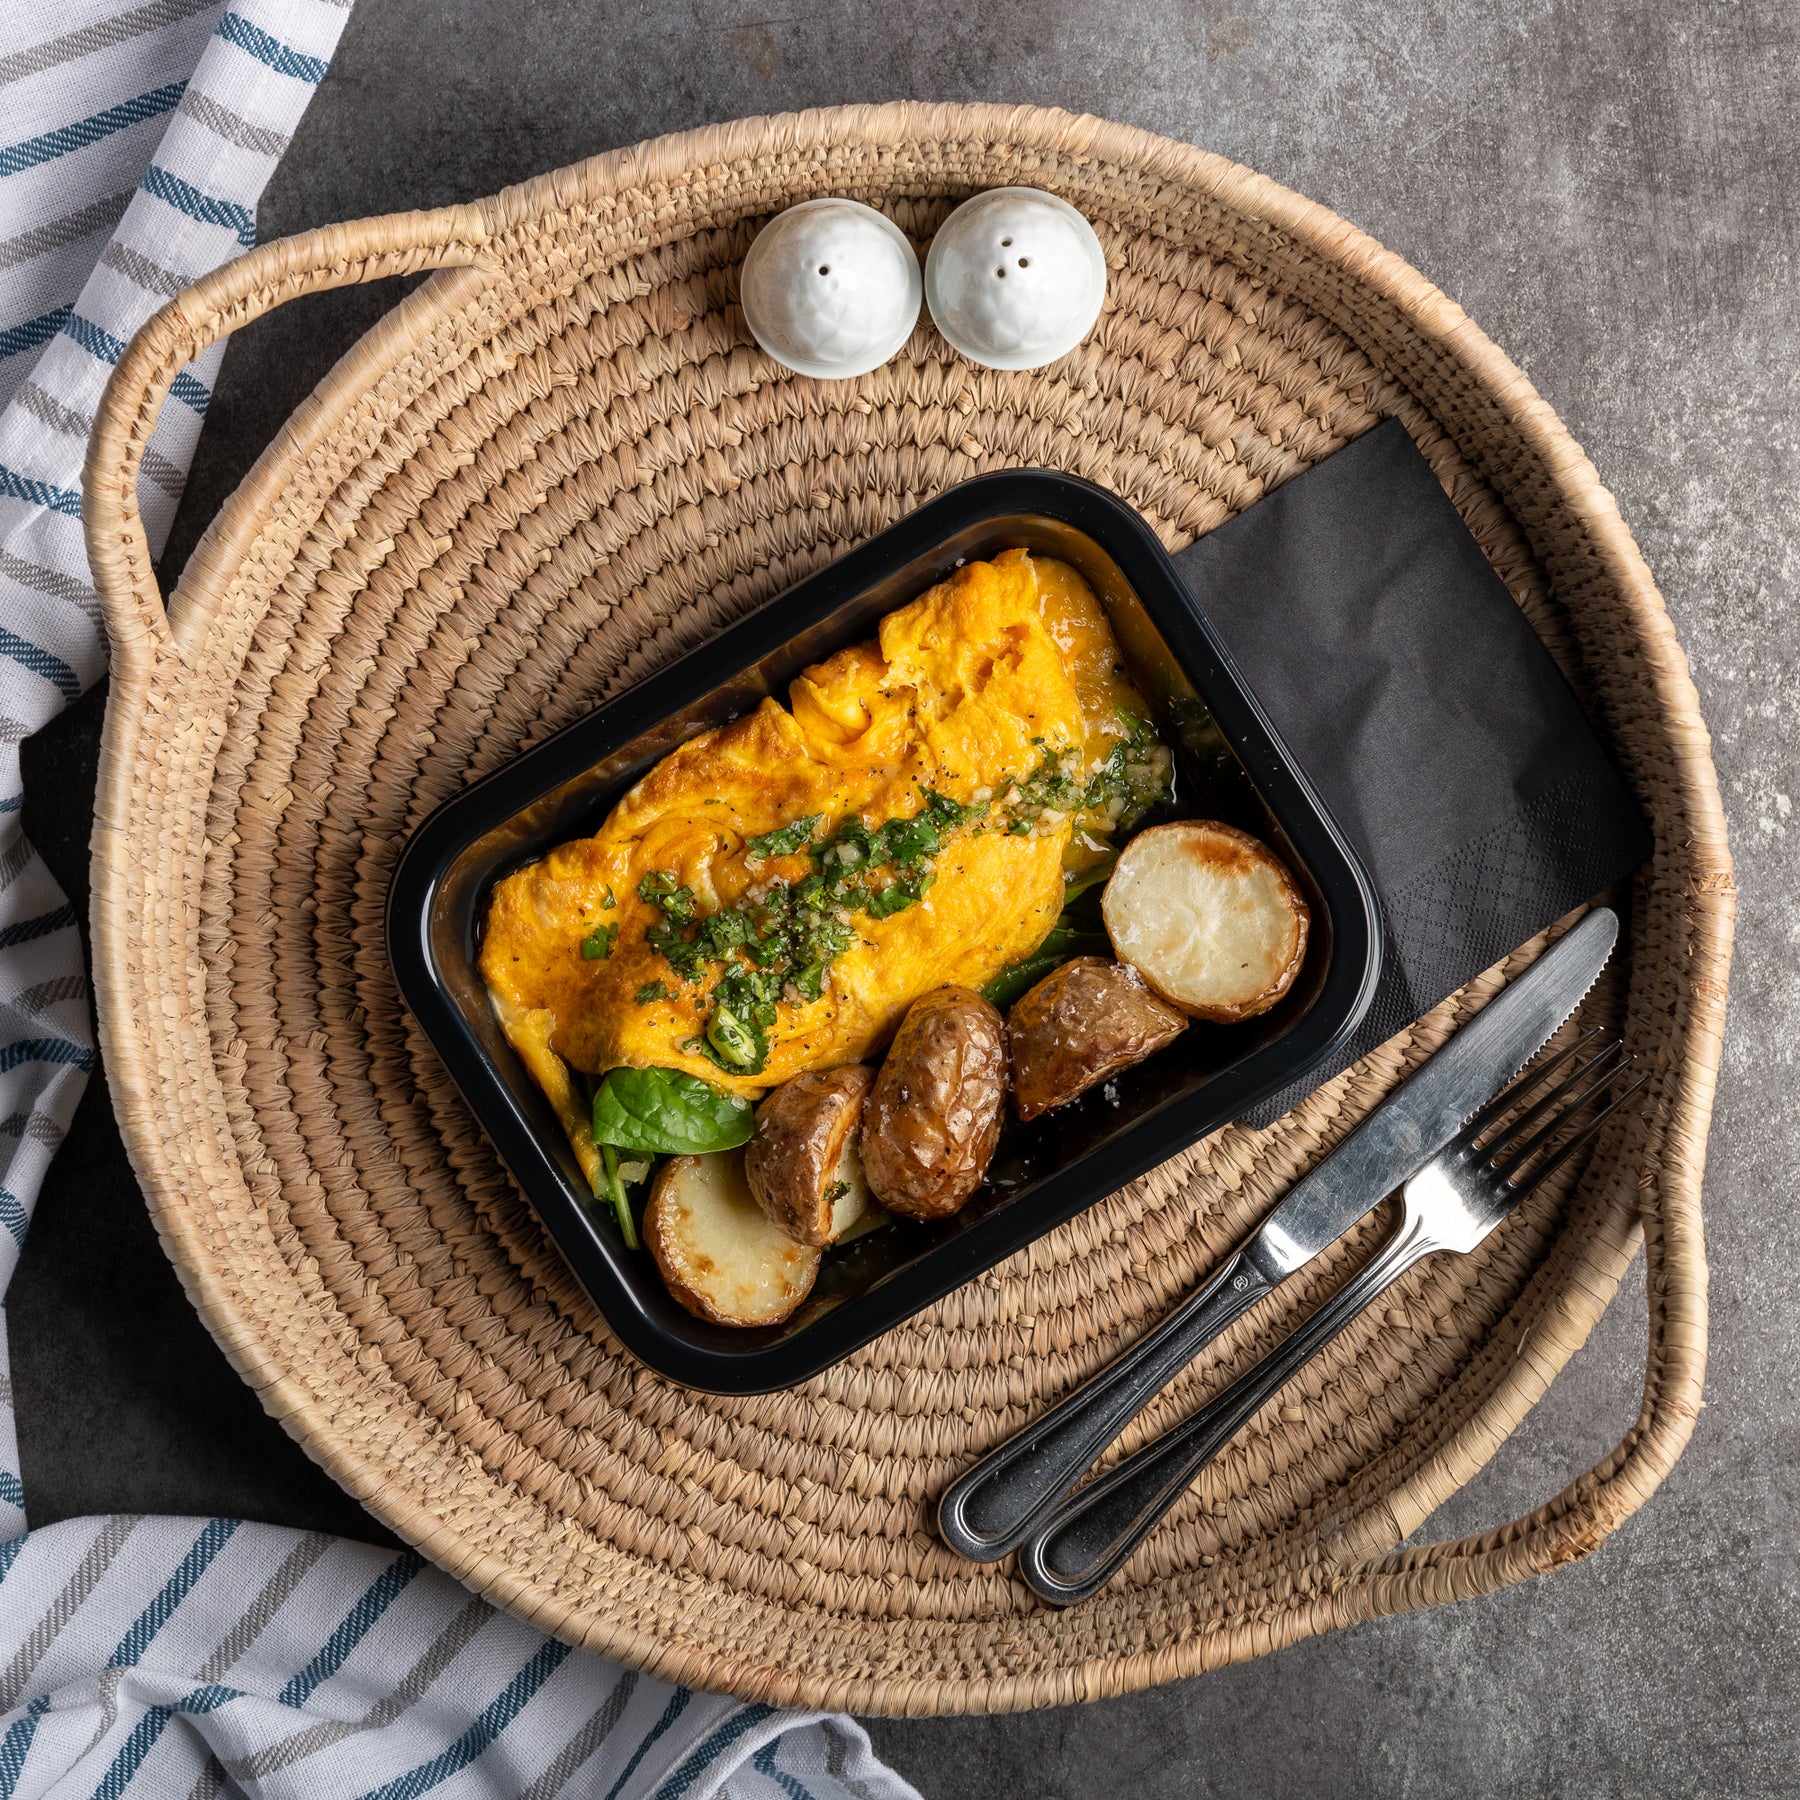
[(556, 465)]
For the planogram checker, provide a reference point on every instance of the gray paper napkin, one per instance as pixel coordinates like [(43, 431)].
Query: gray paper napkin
[(1427, 713)]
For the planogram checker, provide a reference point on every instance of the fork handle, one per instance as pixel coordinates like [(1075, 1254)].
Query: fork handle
[(995, 1506), (1084, 1542)]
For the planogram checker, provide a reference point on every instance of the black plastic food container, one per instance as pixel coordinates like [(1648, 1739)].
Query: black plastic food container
[(1229, 766)]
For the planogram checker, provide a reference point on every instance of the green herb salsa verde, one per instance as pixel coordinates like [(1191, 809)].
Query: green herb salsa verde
[(779, 940)]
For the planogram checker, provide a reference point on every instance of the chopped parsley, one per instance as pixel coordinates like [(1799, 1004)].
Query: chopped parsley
[(1132, 779), (787, 840), (897, 896), (778, 941), (664, 892), (652, 990), (598, 944)]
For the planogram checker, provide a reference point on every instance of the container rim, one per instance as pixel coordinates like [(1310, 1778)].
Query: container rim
[(458, 824)]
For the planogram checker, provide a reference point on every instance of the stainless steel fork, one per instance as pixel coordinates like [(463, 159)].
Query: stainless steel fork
[(1452, 1204)]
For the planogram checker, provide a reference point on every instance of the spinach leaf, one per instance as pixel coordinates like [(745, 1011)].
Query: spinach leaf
[(667, 1112)]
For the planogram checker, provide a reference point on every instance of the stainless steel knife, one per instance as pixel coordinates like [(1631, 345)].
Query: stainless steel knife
[(993, 1508)]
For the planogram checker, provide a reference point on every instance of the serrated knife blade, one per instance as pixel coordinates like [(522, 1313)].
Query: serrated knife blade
[(1427, 1110)]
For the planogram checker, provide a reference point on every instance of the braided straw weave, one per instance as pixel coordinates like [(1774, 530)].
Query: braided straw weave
[(561, 462)]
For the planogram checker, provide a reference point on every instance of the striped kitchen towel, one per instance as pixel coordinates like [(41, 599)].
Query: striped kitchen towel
[(195, 1657), (201, 1657)]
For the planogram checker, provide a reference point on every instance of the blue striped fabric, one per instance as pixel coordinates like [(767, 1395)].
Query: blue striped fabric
[(709, 1750), (148, 1729), (15, 340), (190, 390), (234, 28), (50, 144), (55, 1053), (212, 1539), (22, 931), (14, 486), (495, 1717), (187, 198), (355, 1627), (41, 662), (94, 339), (764, 1764), (15, 1745), (678, 1703), (190, 1657)]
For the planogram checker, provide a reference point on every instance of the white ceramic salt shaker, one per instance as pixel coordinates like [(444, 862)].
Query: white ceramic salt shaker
[(831, 288), (1016, 278)]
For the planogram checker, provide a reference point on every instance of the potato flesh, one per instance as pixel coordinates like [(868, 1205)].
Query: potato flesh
[(717, 1252), (1209, 916), (852, 1204), (1081, 1023)]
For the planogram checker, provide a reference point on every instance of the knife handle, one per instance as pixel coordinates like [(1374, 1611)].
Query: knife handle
[(995, 1506), (1084, 1543)]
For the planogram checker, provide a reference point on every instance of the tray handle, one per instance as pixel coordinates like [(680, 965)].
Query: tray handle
[(218, 304), (1371, 1545)]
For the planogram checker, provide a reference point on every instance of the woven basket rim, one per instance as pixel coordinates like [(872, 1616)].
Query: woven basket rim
[(335, 256)]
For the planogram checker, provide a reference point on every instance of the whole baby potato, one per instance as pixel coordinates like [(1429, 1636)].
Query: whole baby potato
[(933, 1117), (801, 1162), (1080, 1024)]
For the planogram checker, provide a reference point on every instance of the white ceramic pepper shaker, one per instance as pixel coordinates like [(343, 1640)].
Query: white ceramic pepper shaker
[(831, 288), (1016, 278)]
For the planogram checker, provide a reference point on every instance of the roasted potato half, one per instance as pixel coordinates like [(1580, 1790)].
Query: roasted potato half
[(716, 1249), (1209, 916), (1080, 1024), (802, 1163), (932, 1118)]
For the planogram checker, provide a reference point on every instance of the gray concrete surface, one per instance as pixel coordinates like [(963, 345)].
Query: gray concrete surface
[(1610, 188)]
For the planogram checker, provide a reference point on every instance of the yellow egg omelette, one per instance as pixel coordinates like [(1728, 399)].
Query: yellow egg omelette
[(775, 894)]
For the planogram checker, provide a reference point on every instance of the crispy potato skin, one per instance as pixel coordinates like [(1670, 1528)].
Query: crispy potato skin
[(791, 1162), (716, 1252), (1080, 1024), (932, 1118), (1187, 900)]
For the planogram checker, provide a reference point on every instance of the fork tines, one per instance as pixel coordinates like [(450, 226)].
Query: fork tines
[(1523, 1136)]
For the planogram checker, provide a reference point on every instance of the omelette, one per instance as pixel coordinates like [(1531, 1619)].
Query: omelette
[(774, 894)]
